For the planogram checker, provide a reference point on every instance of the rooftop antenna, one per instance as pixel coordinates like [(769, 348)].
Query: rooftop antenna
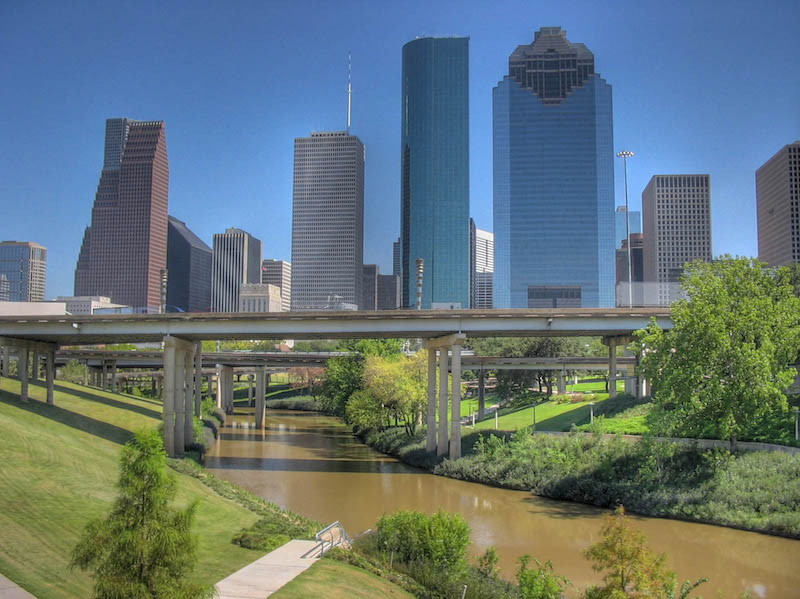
[(349, 87)]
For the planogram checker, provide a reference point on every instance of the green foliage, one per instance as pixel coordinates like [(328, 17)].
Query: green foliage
[(372, 347), (144, 548), (440, 540), (364, 410), (486, 564), (723, 369), (73, 371), (630, 568), (272, 531), (342, 380), (540, 582), (303, 403), (315, 345)]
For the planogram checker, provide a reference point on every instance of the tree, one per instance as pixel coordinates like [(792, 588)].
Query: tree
[(342, 380), (307, 378), (541, 582), (144, 548), (398, 383), (631, 568), (723, 369)]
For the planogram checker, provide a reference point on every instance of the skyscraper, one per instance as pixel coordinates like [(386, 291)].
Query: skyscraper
[(388, 292), (619, 220), (778, 207), (188, 269), (481, 259), (327, 221), (236, 261), (278, 273), (676, 216), (23, 271), (435, 170), (553, 178), (369, 287), (124, 249), (397, 254)]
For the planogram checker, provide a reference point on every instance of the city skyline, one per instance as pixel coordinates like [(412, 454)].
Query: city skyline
[(221, 160)]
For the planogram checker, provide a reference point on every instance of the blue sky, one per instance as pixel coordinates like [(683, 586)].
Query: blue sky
[(699, 87)]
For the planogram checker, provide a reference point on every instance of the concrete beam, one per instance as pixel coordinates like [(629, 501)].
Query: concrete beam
[(446, 341), (40, 346)]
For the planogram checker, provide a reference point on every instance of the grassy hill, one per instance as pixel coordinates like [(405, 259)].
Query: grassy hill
[(58, 468)]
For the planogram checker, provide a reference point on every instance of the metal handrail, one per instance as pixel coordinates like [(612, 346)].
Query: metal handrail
[(332, 540)]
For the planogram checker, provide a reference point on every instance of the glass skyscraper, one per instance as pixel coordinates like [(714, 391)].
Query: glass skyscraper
[(435, 171), (553, 178)]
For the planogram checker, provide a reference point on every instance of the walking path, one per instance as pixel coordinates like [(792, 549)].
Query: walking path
[(267, 574), (9, 590)]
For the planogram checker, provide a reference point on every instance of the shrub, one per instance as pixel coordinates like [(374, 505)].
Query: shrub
[(410, 536), (300, 403), (541, 582)]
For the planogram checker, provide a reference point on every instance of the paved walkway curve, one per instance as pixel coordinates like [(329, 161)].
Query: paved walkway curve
[(9, 590), (269, 573)]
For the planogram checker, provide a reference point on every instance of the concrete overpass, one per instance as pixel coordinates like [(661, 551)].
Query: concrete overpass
[(444, 331)]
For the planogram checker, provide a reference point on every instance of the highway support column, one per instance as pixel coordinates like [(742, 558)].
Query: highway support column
[(430, 435), (445, 345), (198, 377), (24, 348), (261, 391)]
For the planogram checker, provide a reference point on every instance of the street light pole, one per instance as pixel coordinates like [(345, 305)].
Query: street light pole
[(625, 154)]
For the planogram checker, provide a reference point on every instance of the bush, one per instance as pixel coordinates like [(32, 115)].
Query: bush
[(300, 403), (440, 540), (541, 582)]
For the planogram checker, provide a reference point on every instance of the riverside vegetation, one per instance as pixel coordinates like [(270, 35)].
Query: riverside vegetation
[(720, 372), (426, 556)]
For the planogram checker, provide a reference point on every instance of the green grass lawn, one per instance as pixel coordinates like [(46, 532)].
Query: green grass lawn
[(58, 468), (336, 580)]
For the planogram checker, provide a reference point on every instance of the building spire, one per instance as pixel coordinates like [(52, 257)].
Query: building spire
[(349, 88)]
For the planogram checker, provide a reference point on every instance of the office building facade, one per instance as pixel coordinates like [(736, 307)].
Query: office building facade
[(778, 207), (388, 292), (676, 218), (88, 305), (637, 259), (397, 258), (260, 298), (553, 178), (435, 171), (124, 250), (369, 287), (279, 273), (481, 259), (236, 261), (619, 221), (189, 262), (327, 221), (23, 271)]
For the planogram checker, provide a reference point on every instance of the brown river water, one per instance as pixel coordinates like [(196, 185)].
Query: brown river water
[(313, 465)]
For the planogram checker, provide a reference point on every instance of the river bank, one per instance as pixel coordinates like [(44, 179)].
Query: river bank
[(753, 490), (313, 465)]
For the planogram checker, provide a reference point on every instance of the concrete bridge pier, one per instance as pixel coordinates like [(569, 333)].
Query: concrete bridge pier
[(114, 385), (445, 345), (481, 394), (24, 362), (225, 388), (188, 397), (218, 387), (35, 366), (430, 438), (6, 361), (562, 382), (178, 395), (612, 367), (104, 377), (250, 390), (261, 391), (198, 377)]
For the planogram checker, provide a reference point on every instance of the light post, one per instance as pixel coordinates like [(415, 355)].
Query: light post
[(625, 154), (591, 412)]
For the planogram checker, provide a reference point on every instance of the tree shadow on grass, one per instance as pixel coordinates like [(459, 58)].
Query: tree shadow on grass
[(98, 428), (143, 410)]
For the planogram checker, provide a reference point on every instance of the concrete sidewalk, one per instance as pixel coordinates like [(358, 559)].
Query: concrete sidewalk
[(9, 590), (267, 574)]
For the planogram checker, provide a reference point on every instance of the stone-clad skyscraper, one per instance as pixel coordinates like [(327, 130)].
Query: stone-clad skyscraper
[(327, 221), (434, 133), (553, 178), (236, 261), (778, 207), (124, 250)]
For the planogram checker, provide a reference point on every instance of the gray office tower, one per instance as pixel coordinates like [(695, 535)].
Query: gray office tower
[(23, 271), (237, 260), (327, 221), (397, 258), (188, 269), (778, 207), (553, 178), (278, 273), (620, 224), (369, 287), (676, 216), (434, 175)]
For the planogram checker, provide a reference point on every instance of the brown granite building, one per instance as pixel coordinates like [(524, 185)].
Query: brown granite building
[(124, 250)]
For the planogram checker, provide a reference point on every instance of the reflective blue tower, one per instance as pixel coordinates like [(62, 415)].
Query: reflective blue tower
[(553, 179), (435, 171)]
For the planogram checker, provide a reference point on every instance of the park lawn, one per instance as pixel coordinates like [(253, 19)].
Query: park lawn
[(336, 580), (468, 406), (550, 416), (59, 465)]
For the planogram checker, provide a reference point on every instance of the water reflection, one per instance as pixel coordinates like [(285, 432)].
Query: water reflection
[(313, 465)]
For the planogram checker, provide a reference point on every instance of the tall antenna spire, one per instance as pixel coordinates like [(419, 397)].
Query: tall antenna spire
[(349, 87)]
